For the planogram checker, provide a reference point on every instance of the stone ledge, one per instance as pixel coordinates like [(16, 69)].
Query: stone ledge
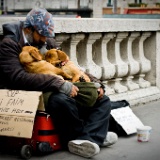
[(145, 100), (138, 97), (92, 25)]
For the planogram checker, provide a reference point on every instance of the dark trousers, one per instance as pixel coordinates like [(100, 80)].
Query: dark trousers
[(75, 122)]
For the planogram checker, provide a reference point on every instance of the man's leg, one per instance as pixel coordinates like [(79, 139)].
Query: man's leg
[(96, 121), (65, 115)]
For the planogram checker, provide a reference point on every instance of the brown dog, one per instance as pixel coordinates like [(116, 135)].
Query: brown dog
[(60, 59), (31, 59)]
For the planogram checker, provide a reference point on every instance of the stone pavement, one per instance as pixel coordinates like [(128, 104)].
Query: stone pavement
[(127, 148)]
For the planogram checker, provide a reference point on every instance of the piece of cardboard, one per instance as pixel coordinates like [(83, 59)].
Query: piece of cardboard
[(126, 119), (17, 112)]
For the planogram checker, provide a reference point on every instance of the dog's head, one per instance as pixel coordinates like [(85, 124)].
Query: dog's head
[(29, 54), (56, 57)]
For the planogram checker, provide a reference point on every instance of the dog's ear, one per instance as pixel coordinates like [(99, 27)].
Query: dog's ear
[(35, 54), (62, 55)]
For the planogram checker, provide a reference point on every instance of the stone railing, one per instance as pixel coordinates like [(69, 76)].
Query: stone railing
[(123, 53)]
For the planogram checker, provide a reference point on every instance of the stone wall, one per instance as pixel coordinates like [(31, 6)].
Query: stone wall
[(123, 53)]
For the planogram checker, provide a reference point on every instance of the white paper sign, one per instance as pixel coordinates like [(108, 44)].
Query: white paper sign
[(126, 119)]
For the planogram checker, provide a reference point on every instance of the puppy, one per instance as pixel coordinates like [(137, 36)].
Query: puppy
[(31, 59), (60, 59)]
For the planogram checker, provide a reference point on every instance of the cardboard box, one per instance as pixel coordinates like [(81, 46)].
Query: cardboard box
[(17, 112)]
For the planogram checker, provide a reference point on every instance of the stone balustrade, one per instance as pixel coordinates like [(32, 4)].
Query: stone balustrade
[(123, 53)]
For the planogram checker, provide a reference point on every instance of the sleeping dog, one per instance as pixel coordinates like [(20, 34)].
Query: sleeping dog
[(61, 60), (32, 61)]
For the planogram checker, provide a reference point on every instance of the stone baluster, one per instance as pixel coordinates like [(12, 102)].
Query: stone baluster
[(157, 57), (120, 65), (60, 38), (85, 55), (145, 64), (101, 58), (132, 63), (75, 39)]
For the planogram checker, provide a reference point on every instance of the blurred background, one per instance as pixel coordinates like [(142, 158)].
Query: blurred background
[(83, 8)]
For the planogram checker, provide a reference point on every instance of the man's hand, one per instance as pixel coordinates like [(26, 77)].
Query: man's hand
[(74, 91), (100, 93)]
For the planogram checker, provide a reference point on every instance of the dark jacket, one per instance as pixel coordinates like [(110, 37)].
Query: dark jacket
[(12, 73)]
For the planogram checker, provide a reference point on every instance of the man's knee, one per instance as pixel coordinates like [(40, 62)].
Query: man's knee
[(58, 97), (105, 103), (60, 100)]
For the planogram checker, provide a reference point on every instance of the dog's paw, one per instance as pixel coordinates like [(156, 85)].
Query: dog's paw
[(81, 79)]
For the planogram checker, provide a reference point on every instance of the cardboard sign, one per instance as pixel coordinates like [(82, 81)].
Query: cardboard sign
[(17, 112), (126, 119)]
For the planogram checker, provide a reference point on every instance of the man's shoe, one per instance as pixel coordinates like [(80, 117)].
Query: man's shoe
[(110, 139), (83, 148)]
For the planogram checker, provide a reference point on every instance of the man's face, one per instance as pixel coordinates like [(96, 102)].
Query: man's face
[(38, 39), (33, 37)]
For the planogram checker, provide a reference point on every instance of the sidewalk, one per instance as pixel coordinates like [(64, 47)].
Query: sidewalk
[(127, 148)]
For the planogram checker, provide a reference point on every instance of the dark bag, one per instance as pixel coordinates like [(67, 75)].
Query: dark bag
[(113, 125)]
